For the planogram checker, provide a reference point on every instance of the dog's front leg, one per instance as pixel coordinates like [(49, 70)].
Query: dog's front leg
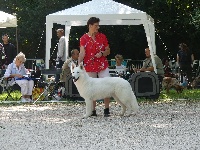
[(89, 105)]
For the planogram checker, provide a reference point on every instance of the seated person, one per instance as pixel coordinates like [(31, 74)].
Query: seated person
[(17, 71), (67, 64), (122, 69), (167, 69), (148, 65)]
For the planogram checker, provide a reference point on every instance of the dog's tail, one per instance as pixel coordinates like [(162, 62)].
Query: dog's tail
[(134, 103)]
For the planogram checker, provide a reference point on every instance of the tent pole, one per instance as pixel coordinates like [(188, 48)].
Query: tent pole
[(16, 40), (150, 41), (67, 33)]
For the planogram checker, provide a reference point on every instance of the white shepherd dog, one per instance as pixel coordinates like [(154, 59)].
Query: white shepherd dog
[(99, 88)]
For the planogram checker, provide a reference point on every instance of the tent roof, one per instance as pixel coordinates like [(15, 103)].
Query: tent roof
[(98, 7), (109, 12), (7, 20), (103, 9)]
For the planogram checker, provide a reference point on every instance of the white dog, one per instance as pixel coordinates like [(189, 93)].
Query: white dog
[(99, 88)]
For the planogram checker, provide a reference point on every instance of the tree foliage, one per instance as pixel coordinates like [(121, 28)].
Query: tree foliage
[(196, 18), (175, 21)]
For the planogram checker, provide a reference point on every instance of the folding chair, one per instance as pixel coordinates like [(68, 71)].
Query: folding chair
[(10, 87), (2, 71), (50, 86)]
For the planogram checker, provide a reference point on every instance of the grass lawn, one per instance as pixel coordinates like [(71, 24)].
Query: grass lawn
[(16, 95), (193, 94)]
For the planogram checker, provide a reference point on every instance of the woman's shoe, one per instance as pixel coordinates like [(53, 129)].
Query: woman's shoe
[(94, 113), (29, 100), (106, 112), (24, 100)]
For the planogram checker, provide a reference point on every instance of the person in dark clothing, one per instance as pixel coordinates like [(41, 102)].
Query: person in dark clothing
[(185, 60), (167, 68), (9, 48)]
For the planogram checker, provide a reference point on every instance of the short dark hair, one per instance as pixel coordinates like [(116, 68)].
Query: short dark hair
[(92, 20), (72, 51), (5, 35), (120, 57), (183, 47), (60, 30)]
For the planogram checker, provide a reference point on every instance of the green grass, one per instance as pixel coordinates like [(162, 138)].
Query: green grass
[(193, 94), (16, 95)]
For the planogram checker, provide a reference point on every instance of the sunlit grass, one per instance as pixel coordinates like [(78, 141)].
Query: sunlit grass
[(16, 95), (193, 94)]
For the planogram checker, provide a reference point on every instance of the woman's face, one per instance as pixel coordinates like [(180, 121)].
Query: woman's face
[(18, 62), (94, 28)]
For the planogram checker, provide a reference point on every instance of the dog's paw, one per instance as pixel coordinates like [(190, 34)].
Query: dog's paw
[(86, 116), (122, 114), (128, 115), (129, 112)]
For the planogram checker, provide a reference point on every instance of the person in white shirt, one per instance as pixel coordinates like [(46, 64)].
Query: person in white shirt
[(18, 72), (120, 68), (67, 64), (61, 57)]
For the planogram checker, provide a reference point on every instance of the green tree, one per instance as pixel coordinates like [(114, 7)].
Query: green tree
[(31, 16), (175, 21)]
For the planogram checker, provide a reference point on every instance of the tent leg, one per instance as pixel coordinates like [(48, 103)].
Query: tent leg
[(16, 40)]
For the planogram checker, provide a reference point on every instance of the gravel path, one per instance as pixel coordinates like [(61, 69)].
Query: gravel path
[(157, 126)]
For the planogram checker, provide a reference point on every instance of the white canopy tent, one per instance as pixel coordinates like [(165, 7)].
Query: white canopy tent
[(109, 12), (7, 20)]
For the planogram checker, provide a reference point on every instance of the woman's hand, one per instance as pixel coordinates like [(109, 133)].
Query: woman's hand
[(98, 55), (19, 75)]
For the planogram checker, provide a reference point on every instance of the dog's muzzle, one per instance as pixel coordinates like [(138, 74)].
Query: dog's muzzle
[(74, 79)]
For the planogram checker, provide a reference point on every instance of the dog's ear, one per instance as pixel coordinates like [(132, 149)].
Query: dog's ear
[(81, 66), (72, 66)]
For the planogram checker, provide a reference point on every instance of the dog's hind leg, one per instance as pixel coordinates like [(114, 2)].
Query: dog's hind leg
[(133, 103), (122, 105), (89, 105), (129, 110), (130, 102)]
